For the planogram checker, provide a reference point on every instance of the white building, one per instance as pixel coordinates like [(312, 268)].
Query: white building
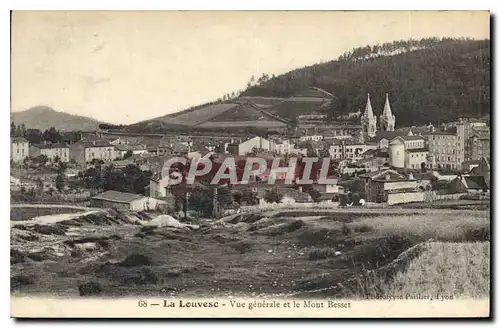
[(283, 147), (19, 149), (408, 152), (349, 151), (311, 138), (249, 145)]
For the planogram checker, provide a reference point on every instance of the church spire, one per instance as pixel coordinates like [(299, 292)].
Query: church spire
[(387, 119), (368, 120), (368, 108), (387, 107)]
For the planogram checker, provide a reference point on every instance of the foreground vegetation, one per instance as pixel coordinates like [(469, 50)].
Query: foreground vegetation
[(341, 254)]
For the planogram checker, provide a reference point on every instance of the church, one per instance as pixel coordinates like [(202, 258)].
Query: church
[(387, 121)]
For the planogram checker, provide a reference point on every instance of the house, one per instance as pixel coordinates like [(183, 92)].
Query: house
[(349, 149), (478, 144), (468, 166), (19, 149), (283, 147), (389, 186), (311, 138), (92, 148), (468, 184), (424, 179), (126, 201), (382, 138), (137, 149), (329, 191), (484, 170), (249, 145), (52, 151)]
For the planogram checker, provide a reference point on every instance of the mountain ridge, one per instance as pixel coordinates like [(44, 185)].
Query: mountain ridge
[(43, 117), (429, 81)]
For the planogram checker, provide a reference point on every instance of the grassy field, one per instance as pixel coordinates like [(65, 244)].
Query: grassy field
[(259, 255), (26, 213), (447, 269)]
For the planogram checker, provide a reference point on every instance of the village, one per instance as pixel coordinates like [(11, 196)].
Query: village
[(372, 161)]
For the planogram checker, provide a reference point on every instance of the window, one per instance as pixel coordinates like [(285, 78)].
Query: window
[(17, 150), (449, 158)]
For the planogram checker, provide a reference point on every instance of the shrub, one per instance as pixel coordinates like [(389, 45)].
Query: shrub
[(16, 256), (321, 253), (21, 280), (315, 195), (89, 288), (135, 259), (345, 230), (273, 196)]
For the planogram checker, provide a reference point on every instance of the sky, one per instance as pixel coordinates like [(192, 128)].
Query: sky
[(124, 67)]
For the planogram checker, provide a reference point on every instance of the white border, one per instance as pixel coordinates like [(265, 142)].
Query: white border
[(7, 5)]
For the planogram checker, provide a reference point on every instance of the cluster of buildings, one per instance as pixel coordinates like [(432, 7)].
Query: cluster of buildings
[(388, 160)]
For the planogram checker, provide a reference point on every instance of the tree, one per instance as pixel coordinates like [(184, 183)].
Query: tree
[(41, 160), (423, 169), (39, 185), (34, 136), (60, 181), (273, 196), (315, 195), (12, 129), (127, 154)]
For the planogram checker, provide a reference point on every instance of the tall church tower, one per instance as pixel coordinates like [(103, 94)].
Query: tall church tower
[(387, 120), (368, 120)]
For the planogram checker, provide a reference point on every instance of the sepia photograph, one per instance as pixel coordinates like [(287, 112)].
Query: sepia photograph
[(250, 164)]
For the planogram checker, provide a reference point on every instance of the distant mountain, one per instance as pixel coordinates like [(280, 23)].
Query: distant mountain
[(429, 81), (43, 117)]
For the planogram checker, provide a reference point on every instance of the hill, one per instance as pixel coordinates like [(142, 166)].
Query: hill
[(429, 80), (43, 117)]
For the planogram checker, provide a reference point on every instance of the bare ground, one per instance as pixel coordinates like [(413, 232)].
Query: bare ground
[(316, 254)]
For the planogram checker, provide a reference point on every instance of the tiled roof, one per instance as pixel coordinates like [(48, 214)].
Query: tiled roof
[(412, 138), (388, 135), (417, 150), (50, 146), (18, 139), (130, 147), (475, 182)]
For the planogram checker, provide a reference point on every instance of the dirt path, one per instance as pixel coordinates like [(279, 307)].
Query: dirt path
[(51, 206), (53, 218)]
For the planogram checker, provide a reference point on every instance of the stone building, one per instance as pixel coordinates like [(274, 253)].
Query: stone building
[(52, 151), (19, 149), (447, 148), (92, 148)]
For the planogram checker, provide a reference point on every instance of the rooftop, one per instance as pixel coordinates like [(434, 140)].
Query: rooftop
[(117, 196), (417, 150), (18, 139), (50, 146)]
